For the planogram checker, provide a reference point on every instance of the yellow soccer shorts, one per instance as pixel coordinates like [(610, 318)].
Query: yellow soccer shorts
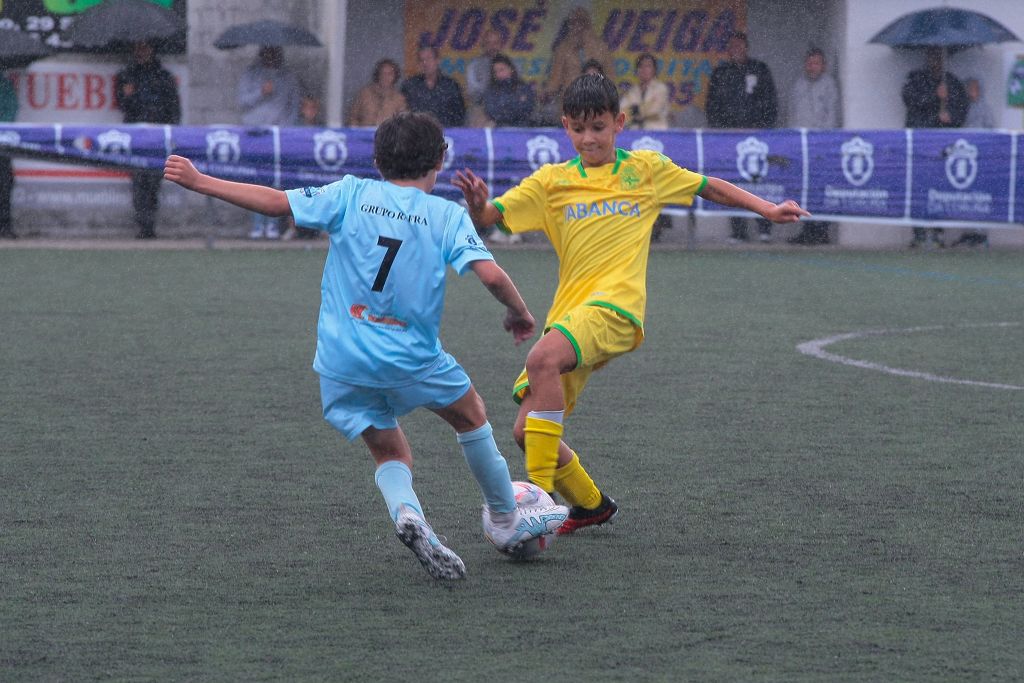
[(598, 334)]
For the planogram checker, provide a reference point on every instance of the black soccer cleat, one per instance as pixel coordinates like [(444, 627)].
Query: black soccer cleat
[(580, 517)]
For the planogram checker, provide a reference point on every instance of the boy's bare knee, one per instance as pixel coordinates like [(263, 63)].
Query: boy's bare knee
[(466, 414), (538, 364)]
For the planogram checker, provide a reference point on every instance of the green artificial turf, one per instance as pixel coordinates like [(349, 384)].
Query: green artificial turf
[(173, 507)]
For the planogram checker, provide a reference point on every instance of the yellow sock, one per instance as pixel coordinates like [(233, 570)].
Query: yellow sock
[(542, 440), (574, 484)]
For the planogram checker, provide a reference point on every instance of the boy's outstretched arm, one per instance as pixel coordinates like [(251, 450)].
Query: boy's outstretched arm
[(265, 200), (723, 192), (476, 192), (518, 319)]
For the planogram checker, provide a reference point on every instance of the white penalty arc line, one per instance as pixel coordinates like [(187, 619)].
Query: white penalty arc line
[(816, 348)]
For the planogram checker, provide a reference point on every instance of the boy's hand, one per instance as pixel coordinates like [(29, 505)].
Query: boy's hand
[(522, 327), (785, 212), (474, 189), (180, 170)]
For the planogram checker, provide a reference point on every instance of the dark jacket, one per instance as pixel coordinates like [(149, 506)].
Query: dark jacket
[(923, 104), (509, 103), (155, 99), (729, 105), (444, 100)]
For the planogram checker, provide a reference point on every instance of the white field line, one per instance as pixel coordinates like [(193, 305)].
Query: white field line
[(816, 348)]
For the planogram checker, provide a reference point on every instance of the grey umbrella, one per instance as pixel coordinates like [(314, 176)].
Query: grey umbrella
[(267, 32), (123, 21), (18, 49), (948, 27)]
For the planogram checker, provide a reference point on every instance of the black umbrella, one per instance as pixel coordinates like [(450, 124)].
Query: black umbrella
[(123, 21), (18, 49), (268, 32), (943, 27)]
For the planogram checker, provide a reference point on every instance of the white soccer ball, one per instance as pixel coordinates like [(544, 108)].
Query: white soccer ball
[(530, 495)]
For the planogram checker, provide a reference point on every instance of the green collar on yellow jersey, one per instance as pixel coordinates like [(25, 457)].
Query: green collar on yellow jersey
[(620, 156)]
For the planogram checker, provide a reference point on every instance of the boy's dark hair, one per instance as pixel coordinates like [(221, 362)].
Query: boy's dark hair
[(740, 35), (408, 145), (589, 96), (594, 64)]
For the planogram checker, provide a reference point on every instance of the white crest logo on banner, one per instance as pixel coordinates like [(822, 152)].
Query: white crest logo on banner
[(222, 147), (858, 160), (542, 150), (961, 164), (752, 159), (647, 142), (330, 150), (115, 142)]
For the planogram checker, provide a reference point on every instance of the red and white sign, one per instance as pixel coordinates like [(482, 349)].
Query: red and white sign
[(74, 92)]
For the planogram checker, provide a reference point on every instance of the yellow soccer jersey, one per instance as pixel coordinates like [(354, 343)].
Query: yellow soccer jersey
[(599, 221)]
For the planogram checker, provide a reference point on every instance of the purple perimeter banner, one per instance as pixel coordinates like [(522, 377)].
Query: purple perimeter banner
[(938, 177)]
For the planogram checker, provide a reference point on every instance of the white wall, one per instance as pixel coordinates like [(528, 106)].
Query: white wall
[(874, 74)]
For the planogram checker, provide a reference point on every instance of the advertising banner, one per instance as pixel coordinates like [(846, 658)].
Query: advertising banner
[(961, 175), (687, 37), (862, 173), (768, 163), (467, 148), (955, 176)]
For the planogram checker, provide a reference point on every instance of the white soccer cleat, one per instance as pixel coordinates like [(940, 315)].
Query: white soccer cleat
[(524, 525), (440, 561)]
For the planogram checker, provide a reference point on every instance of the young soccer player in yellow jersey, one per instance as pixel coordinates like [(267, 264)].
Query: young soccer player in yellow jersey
[(598, 211)]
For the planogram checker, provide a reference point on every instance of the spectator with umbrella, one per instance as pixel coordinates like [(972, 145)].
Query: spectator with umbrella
[(268, 95), (269, 92), (146, 92), (934, 97)]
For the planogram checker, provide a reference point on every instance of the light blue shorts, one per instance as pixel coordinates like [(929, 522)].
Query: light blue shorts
[(351, 409)]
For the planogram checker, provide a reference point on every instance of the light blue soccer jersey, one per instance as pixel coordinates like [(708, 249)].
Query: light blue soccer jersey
[(384, 279)]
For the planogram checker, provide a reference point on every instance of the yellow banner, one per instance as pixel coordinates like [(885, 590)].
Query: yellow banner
[(687, 37)]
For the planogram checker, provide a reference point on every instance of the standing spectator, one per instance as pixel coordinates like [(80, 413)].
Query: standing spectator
[(434, 92), (508, 100), (646, 105), (8, 112), (575, 44), (814, 103), (478, 76), (379, 99), (934, 98), (268, 94), (741, 94), (979, 115), (146, 93)]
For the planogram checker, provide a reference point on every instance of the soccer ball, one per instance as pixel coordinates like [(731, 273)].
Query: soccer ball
[(530, 495)]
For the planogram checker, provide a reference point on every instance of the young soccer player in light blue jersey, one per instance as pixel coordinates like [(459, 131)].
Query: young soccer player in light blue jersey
[(378, 353)]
